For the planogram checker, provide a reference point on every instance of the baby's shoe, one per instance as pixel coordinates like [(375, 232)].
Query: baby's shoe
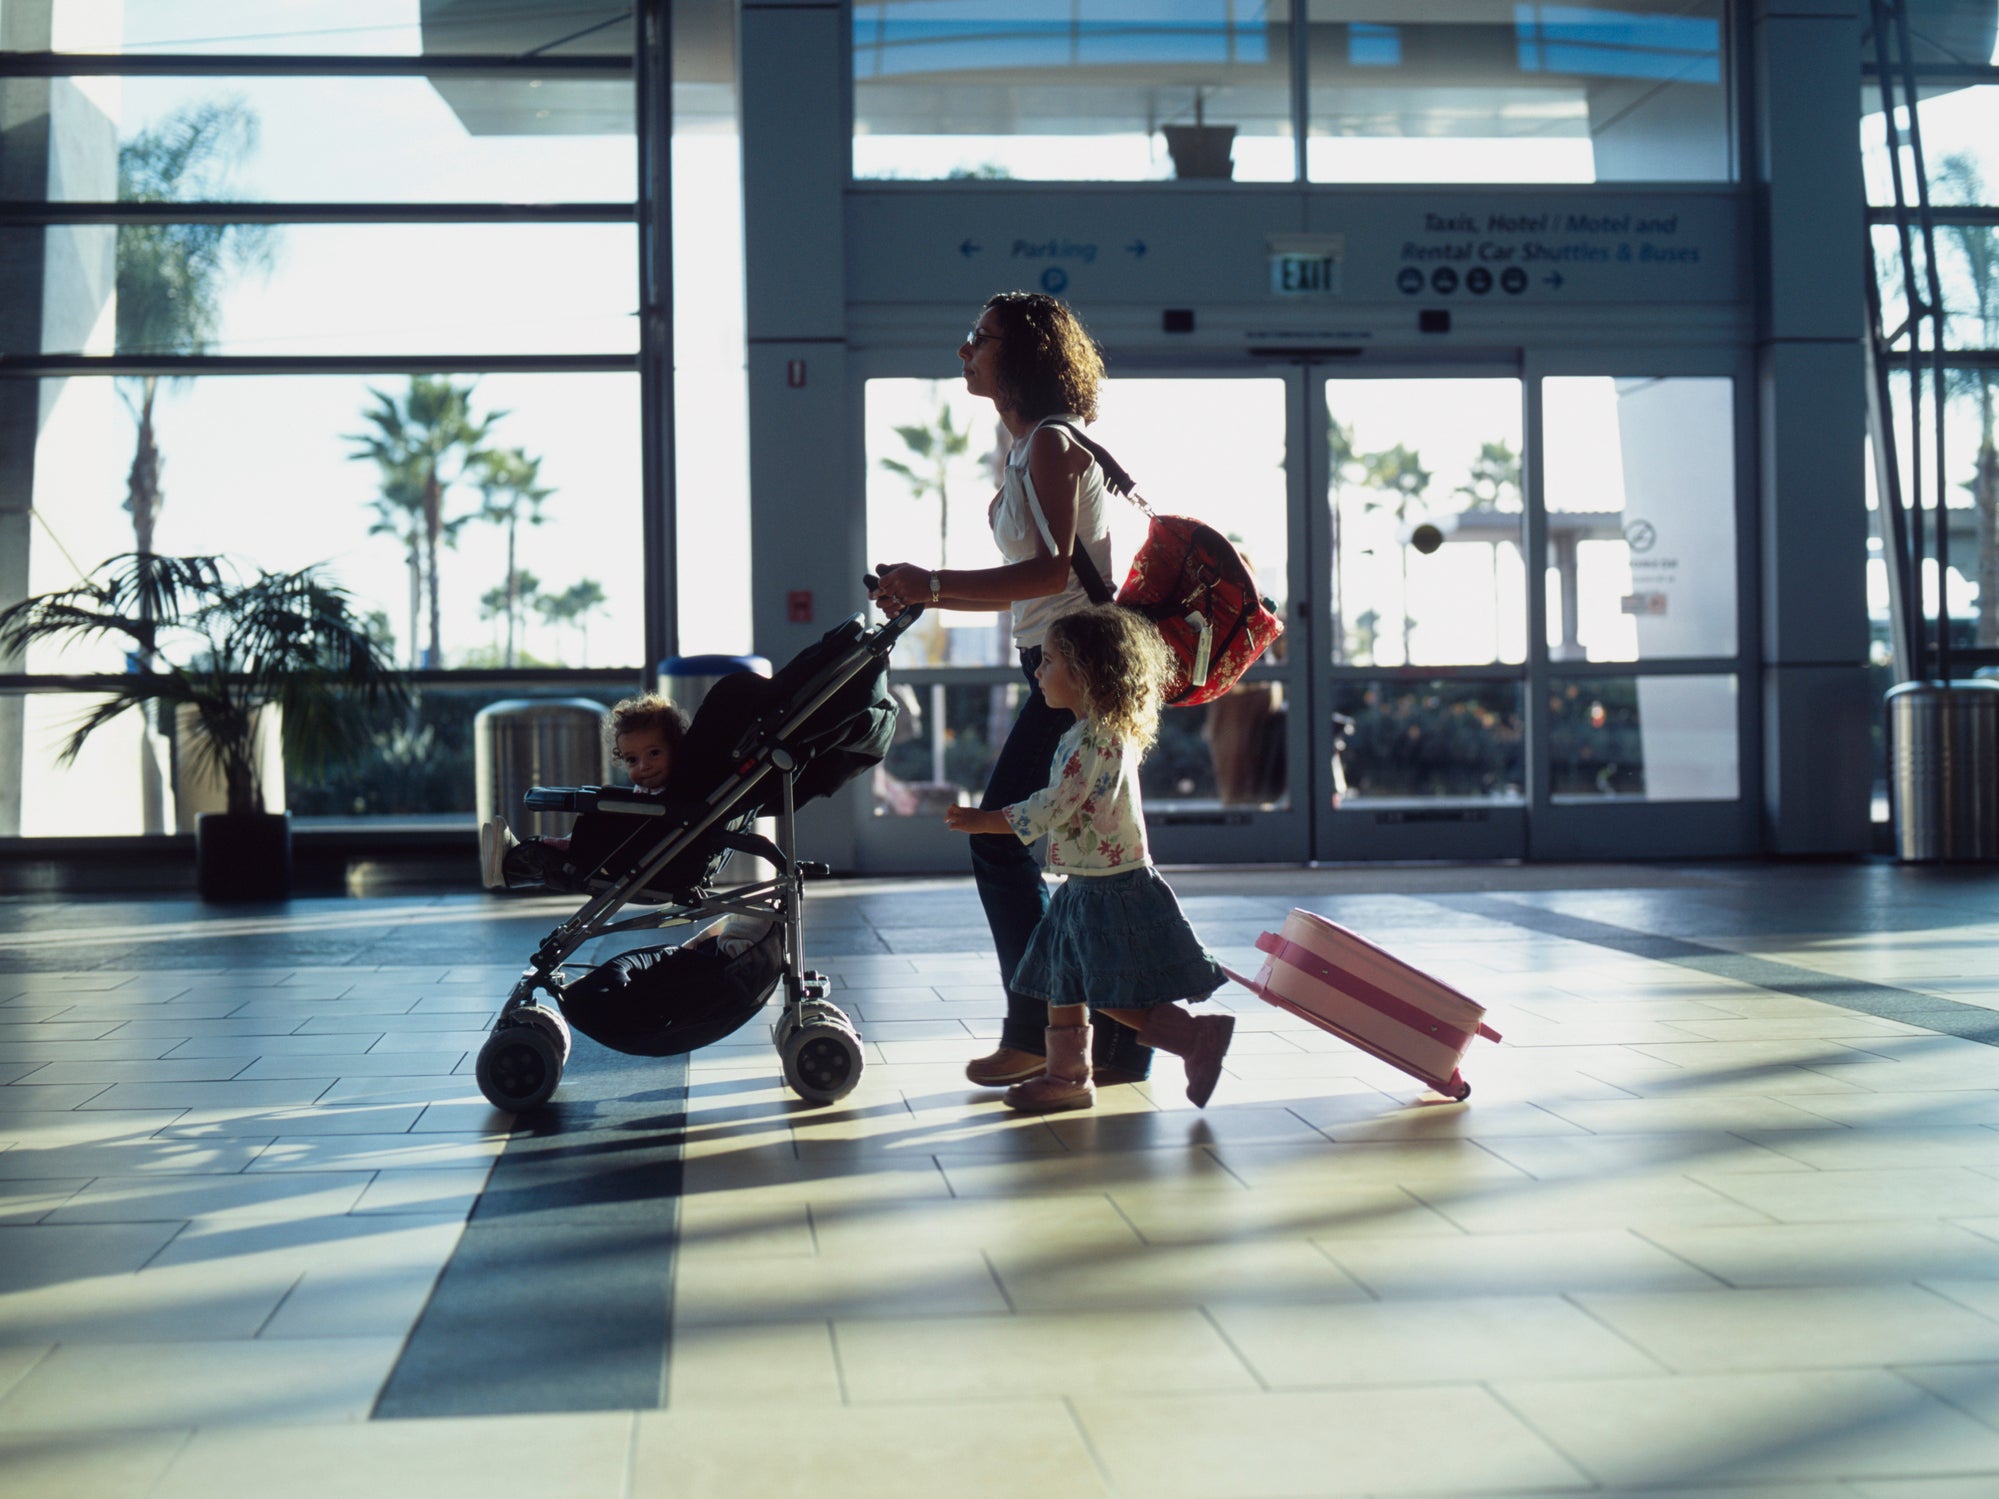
[(1199, 1041), (495, 838)]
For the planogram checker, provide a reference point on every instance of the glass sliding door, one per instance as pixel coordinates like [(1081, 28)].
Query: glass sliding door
[(1424, 622), (1648, 697)]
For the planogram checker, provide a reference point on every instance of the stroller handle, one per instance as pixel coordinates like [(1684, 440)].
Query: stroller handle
[(882, 640), (890, 630)]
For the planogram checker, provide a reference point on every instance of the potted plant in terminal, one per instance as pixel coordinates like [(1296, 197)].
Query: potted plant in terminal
[(227, 651), (1200, 149)]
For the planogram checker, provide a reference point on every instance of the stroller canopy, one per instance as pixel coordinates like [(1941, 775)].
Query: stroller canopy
[(845, 736)]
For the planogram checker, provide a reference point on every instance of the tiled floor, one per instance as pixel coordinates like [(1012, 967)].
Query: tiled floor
[(1721, 1218)]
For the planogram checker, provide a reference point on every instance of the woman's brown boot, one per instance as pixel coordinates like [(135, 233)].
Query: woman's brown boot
[(1199, 1041), (1004, 1068), (1066, 1084)]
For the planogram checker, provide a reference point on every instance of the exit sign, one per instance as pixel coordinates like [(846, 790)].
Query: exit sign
[(1305, 265)]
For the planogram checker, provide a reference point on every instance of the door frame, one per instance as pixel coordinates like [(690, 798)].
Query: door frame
[(1442, 828), (1308, 829)]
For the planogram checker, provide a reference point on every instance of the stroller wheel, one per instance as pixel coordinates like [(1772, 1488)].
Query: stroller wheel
[(519, 1067), (551, 1021), (822, 1062)]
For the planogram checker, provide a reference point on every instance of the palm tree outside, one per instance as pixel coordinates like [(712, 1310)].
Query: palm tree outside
[(935, 448), (1958, 181), (574, 606), (169, 284), (1398, 473), (424, 444), (170, 276), (399, 513), (510, 495)]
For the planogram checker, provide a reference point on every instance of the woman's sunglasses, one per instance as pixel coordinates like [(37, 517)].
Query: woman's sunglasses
[(979, 336)]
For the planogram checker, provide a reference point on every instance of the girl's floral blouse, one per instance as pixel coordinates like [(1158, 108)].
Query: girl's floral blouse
[(1090, 810)]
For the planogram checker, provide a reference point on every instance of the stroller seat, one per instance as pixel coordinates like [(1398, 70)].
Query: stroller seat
[(615, 827)]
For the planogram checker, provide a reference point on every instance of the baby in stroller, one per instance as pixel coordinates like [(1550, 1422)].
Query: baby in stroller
[(645, 734)]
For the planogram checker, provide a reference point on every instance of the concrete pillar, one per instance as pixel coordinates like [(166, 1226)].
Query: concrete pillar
[(24, 166), (1811, 424), (57, 141), (807, 519)]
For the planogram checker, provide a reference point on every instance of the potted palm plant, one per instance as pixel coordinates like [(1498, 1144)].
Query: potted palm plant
[(227, 650)]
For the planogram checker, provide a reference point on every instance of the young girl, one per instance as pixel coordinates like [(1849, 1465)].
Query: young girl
[(644, 732), (1114, 940)]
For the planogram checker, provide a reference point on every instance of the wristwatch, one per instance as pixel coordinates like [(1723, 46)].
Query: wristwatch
[(936, 586)]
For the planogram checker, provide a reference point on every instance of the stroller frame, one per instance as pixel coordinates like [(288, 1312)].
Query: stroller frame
[(818, 1045)]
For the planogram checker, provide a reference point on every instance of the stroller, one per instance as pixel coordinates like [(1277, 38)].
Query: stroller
[(757, 747)]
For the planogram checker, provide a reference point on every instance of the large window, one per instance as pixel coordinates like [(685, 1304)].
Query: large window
[(1946, 447), (1641, 522), (1423, 482), (1134, 90), (364, 296), (1612, 92), (1109, 90)]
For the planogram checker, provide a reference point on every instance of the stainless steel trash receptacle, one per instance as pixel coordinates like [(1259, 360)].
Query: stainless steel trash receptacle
[(686, 679), (1943, 770), (525, 742)]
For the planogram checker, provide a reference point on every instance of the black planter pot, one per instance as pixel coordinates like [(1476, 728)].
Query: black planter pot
[(243, 855), (1200, 150)]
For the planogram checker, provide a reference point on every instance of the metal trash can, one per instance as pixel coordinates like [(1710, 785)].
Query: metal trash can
[(687, 679), (1943, 770), (525, 742)]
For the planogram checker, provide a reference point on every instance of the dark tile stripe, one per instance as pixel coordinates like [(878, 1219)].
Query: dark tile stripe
[(1884, 1001), (559, 1294)]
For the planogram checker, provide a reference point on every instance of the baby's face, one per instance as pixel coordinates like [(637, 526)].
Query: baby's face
[(644, 755)]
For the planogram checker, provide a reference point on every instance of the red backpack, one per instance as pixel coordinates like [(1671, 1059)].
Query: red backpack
[(1188, 580)]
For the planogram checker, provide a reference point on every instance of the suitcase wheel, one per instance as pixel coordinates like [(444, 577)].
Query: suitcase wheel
[(1461, 1092)]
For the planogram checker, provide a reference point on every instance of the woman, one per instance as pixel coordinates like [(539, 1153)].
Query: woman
[(1030, 356)]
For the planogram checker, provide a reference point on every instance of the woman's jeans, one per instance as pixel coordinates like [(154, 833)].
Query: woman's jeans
[(1010, 883)]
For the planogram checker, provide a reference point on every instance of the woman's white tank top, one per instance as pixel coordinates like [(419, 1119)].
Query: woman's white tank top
[(1020, 532)]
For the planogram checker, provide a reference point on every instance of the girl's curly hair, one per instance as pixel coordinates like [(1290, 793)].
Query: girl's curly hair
[(1122, 663), (647, 713), (1048, 363)]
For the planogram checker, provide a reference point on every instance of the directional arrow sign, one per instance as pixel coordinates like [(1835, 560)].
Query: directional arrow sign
[(968, 249), (1136, 249), (1553, 278)]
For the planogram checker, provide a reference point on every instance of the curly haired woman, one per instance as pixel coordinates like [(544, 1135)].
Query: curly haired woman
[(1032, 358)]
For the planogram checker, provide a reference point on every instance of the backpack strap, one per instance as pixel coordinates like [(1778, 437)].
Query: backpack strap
[(1079, 556), (1116, 479)]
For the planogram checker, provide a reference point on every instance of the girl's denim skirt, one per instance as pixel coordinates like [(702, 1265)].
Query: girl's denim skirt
[(1116, 942)]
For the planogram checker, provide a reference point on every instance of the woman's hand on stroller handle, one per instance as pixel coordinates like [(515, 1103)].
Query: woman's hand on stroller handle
[(890, 592)]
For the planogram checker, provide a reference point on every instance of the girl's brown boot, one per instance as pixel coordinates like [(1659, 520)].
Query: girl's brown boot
[(1066, 1084), (1199, 1041)]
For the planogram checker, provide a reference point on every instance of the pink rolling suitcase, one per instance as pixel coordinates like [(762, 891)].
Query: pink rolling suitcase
[(1323, 973)]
